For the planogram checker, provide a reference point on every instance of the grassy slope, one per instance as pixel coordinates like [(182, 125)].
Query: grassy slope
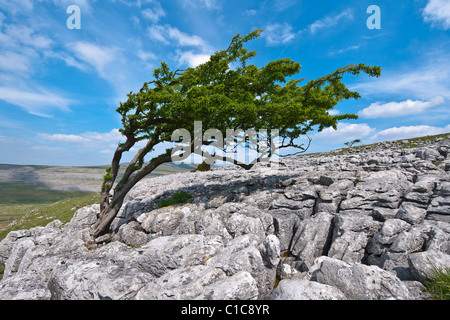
[(33, 215), (32, 204)]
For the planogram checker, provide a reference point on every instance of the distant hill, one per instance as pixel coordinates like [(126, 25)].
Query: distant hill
[(35, 184)]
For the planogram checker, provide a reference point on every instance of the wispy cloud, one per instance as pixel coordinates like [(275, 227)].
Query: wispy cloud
[(168, 34), (405, 132), (277, 34), (330, 21), (282, 5), (399, 109), (425, 82), (16, 6), (437, 12), (208, 4), (199, 50), (39, 102), (345, 132), (346, 49), (93, 138), (154, 13), (96, 56), (283, 33)]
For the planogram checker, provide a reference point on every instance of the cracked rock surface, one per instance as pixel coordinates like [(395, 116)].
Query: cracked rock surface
[(359, 224)]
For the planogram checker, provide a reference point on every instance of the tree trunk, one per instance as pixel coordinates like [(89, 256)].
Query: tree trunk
[(110, 209), (106, 217)]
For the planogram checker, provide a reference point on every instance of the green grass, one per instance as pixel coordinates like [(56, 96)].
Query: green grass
[(439, 285), (28, 216), (177, 198), (29, 193), (34, 215)]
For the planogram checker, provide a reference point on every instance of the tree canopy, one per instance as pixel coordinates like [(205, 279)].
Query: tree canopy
[(225, 92)]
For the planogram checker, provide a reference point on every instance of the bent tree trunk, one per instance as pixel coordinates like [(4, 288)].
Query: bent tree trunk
[(109, 208)]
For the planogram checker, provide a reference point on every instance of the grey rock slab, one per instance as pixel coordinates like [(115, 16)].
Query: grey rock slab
[(95, 280), (240, 286), (167, 253), (300, 289), (411, 213), (180, 284), (424, 264), (358, 281)]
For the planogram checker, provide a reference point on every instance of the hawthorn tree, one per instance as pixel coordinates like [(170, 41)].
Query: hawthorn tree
[(225, 92)]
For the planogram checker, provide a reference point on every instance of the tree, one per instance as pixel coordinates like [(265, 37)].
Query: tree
[(351, 143), (225, 92)]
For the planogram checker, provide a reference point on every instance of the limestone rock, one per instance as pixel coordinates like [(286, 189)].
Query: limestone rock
[(360, 223), (357, 281), (299, 289)]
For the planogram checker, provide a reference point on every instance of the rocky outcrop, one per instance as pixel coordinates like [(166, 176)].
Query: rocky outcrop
[(362, 223)]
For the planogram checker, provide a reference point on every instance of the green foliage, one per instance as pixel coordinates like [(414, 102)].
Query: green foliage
[(227, 92), (107, 178), (439, 285), (177, 198), (230, 92)]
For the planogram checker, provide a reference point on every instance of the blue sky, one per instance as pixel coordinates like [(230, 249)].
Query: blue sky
[(59, 87)]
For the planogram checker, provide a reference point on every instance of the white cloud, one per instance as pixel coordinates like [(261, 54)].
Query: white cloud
[(65, 138), (333, 112), (155, 13), (398, 133), (437, 12), (94, 55), (345, 132), (281, 5), (17, 35), (277, 34), (92, 138), (16, 6), (330, 21), (38, 102), (208, 4), (146, 55), (21, 49), (15, 62), (84, 5), (345, 50), (193, 59), (427, 81), (399, 109), (167, 34)]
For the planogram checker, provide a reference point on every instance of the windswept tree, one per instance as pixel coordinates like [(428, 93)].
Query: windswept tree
[(225, 92)]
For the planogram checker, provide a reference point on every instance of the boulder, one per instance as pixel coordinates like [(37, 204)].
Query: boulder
[(167, 253), (357, 281), (300, 289), (425, 264)]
